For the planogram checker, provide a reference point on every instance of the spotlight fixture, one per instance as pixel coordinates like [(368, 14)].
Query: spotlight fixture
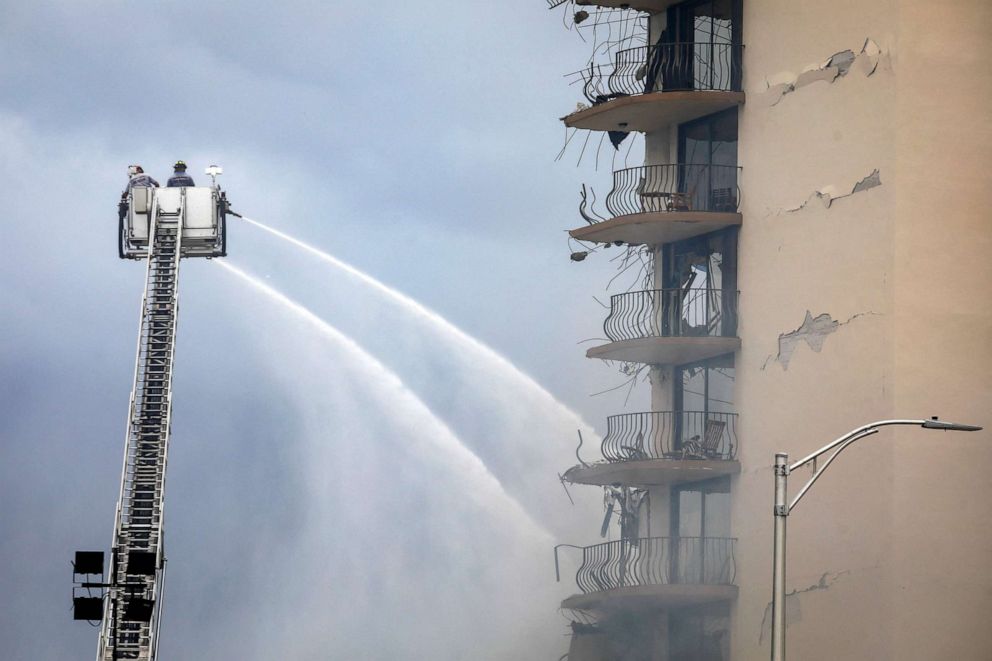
[(87, 608), (88, 562)]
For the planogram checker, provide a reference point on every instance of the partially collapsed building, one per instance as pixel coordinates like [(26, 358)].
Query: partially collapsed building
[(813, 203)]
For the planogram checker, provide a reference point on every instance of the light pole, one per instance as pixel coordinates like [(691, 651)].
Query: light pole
[(783, 507)]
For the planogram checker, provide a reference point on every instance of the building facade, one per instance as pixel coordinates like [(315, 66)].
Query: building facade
[(813, 203)]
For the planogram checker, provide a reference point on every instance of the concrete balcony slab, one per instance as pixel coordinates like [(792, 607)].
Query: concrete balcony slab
[(656, 227), (650, 112), (665, 350), (659, 597), (651, 472)]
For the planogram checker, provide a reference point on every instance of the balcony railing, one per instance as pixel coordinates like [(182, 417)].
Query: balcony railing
[(667, 67), (672, 313), (657, 561), (670, 435), (681, 187)]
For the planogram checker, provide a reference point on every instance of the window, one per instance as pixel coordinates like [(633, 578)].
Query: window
[(708, 160), (701, 551), (701, 509), (710, 33), (706, 386), (704, 402), (704, 271)]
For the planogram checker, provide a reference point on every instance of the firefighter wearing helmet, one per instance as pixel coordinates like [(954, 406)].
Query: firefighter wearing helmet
[(179, 176)]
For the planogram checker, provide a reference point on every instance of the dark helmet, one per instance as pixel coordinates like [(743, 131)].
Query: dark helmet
[(180, 166)]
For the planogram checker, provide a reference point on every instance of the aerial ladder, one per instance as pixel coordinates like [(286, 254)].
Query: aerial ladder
[(161, 226)]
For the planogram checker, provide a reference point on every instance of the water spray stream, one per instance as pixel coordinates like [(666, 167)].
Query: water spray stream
[(447, 329), (479, 480)]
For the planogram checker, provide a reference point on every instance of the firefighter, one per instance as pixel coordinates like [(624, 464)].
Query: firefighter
[(139, 178), (179, 177)]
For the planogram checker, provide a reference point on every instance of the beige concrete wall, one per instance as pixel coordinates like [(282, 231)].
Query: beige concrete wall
[(891, 552), (943, 330)]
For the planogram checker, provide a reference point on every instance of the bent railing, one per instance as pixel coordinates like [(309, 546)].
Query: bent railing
[(682, 66), (657, 561), (670, 435), (674, 187), (672, 313)]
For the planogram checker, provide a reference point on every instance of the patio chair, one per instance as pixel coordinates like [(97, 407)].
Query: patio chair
[(635, 452), (723, 199), (680, 201), (709, 446)]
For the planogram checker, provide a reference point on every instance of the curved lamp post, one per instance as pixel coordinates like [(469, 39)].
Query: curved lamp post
[(783, 507)]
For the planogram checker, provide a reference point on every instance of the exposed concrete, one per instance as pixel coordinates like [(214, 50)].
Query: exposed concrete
[(836, 66), (842, 61), (813, 331), (809, 77), (872, 180), (828, 194), (793, 609)]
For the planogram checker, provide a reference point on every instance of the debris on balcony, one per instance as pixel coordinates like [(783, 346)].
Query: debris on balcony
[(681, 312), (627, 502), (671, 435)]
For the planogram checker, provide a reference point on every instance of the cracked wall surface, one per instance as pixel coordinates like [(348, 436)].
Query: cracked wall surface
[(830, 141), (793, 606), (834, 67), (813, 332), (828, 194)]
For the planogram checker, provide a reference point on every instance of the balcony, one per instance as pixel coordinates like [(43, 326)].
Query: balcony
[(657, 204), (651, 87), (663, 447), (669, 326), (655, 572)]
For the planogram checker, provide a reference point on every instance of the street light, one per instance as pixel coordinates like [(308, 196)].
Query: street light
[(783, 507)]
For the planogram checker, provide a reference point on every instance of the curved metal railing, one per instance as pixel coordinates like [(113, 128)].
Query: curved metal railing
[(674, 187), (672, 313), (670, 435), (657, 561), (681, 66)]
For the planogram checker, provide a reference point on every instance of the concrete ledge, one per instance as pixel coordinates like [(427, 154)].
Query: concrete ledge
[(650, 112), (665, 350), (651, 596), (651, 472), (656, 227)]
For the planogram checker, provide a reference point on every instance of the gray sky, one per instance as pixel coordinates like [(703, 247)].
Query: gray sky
[(415, 142)]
